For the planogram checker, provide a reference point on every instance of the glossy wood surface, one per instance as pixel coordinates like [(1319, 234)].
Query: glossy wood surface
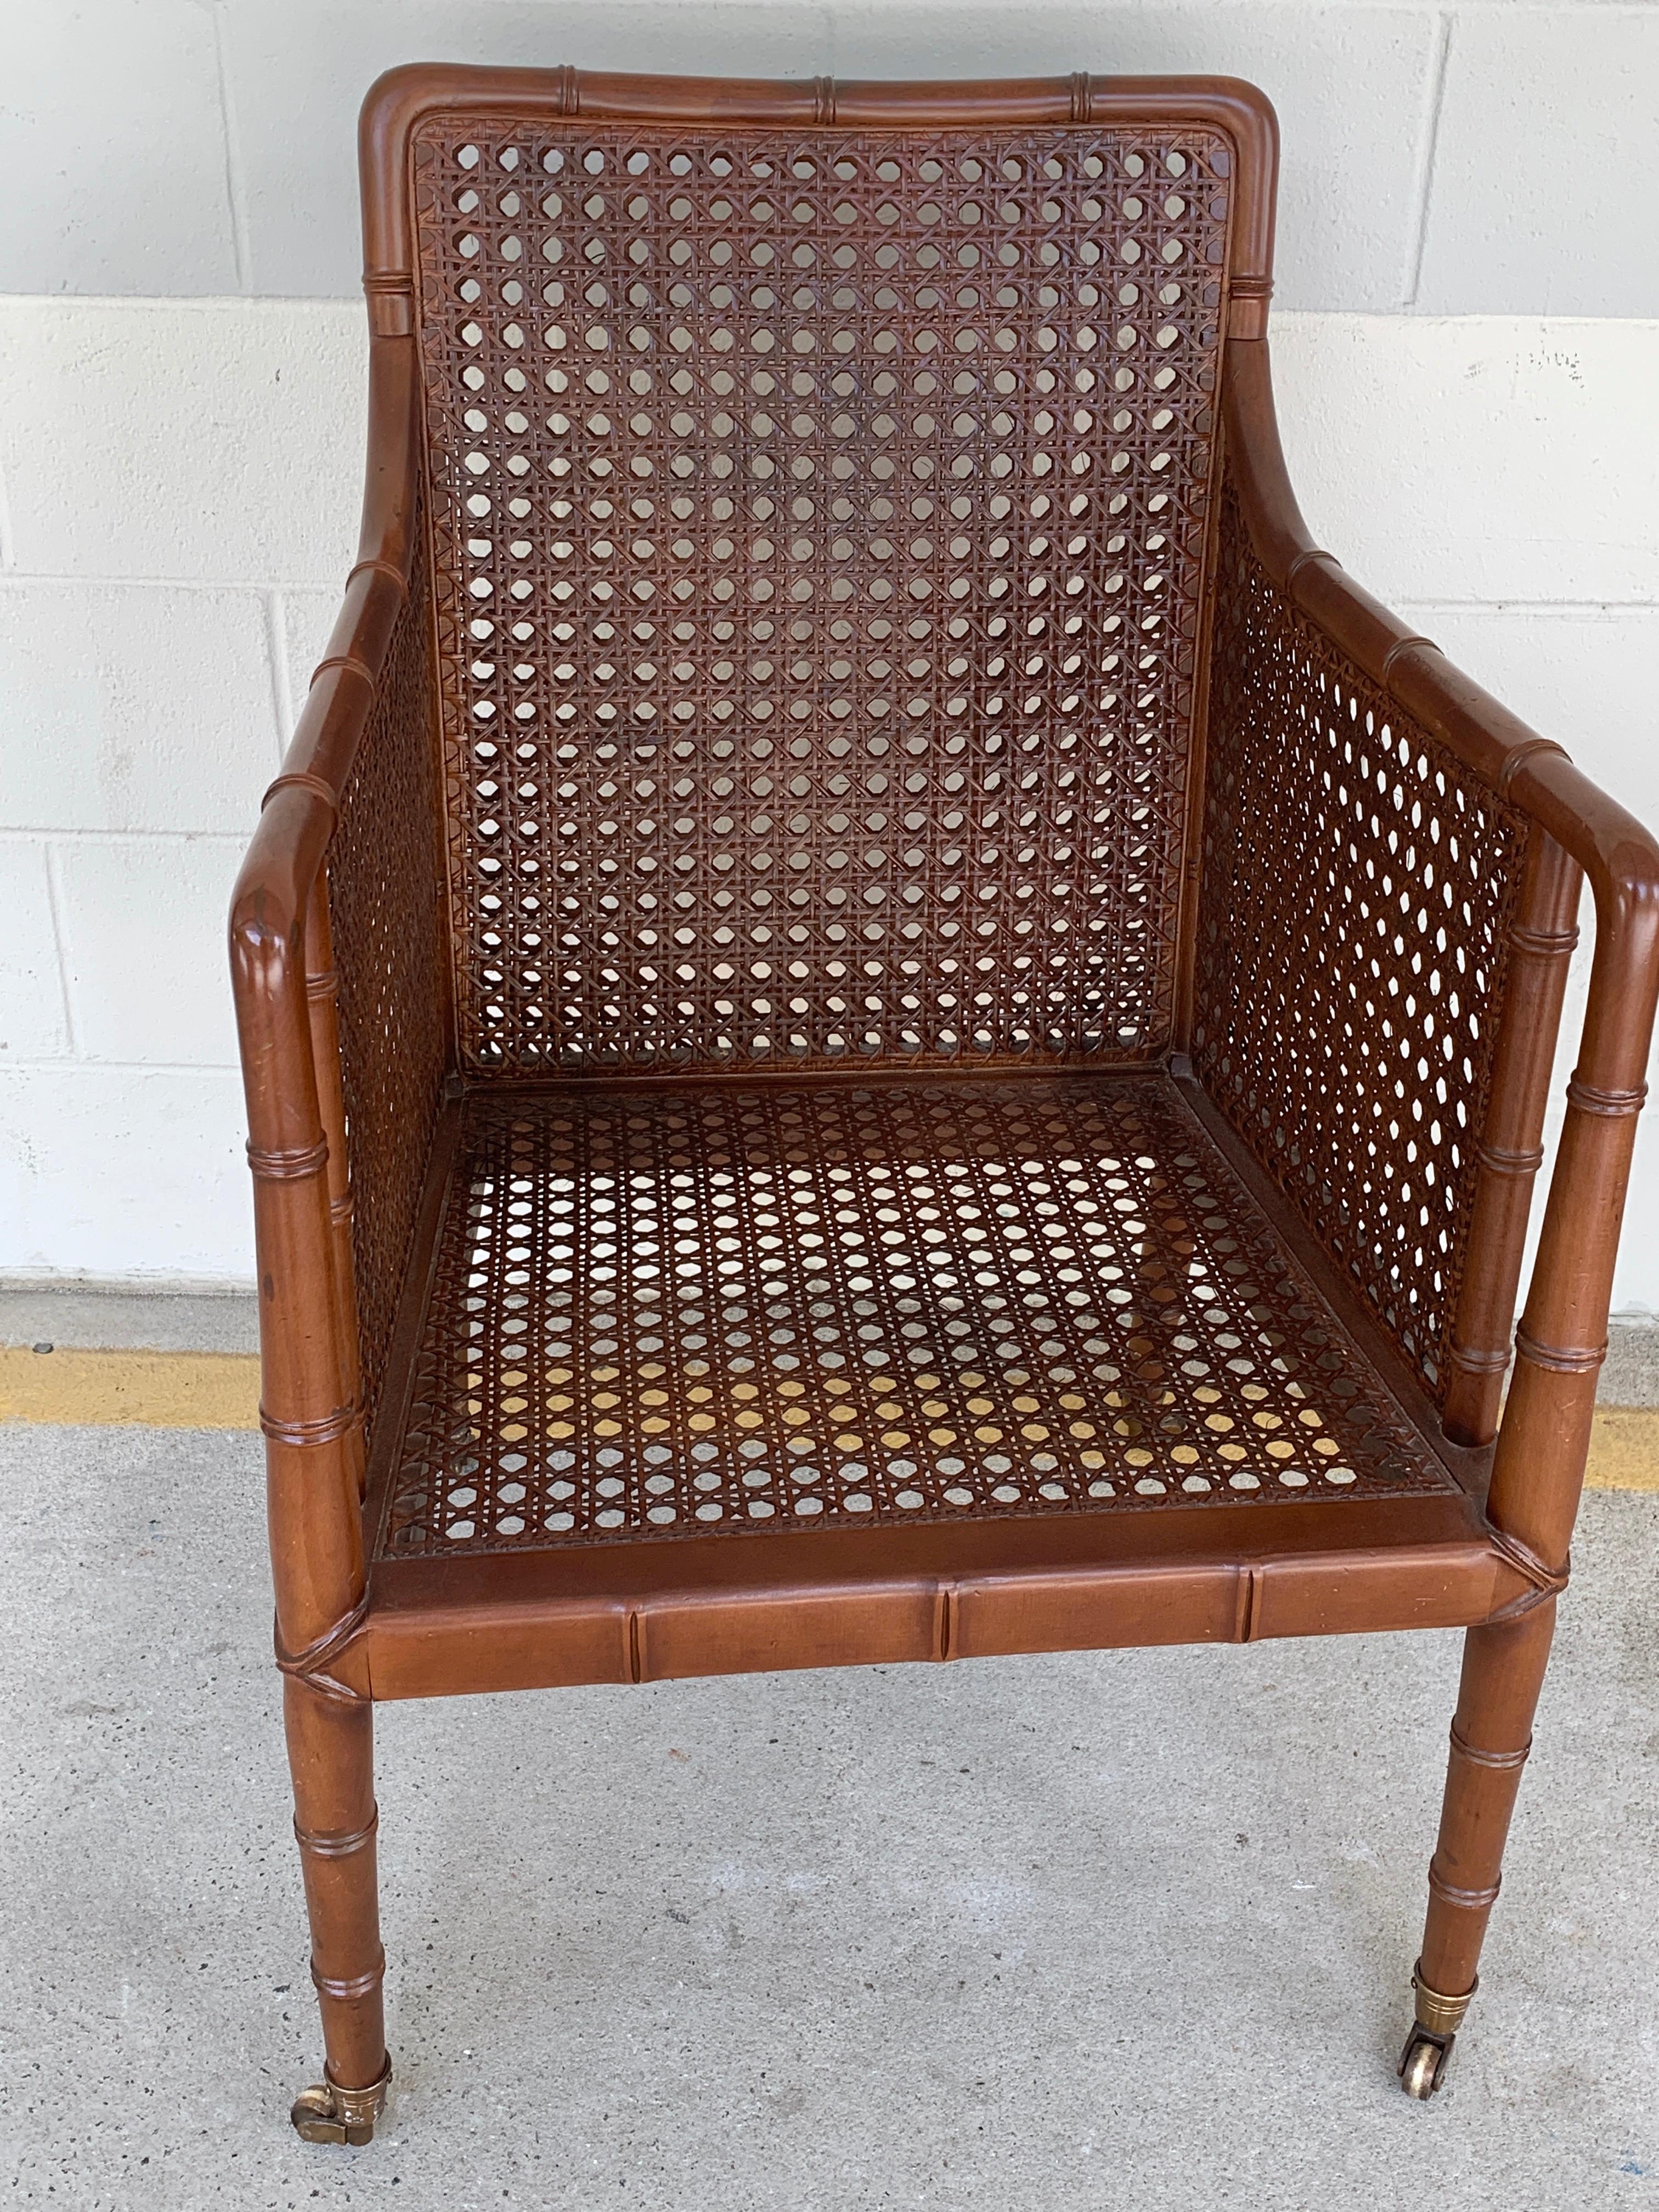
[(1489, 1558)]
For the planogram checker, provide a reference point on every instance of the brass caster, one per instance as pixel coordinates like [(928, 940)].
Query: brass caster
[(1428, 2049), (327, 2113), (1423, 2063)]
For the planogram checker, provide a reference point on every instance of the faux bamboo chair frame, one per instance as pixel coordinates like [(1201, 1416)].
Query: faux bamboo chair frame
[(1490, 1553)]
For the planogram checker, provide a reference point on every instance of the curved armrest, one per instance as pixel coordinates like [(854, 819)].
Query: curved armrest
[(311, 1400), (279, 875), (1544, 1437), (1619, 856)]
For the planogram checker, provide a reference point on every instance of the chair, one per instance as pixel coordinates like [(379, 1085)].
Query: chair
[(882, 1019)]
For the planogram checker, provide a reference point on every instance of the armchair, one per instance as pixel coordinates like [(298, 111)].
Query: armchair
[(883, 1020)]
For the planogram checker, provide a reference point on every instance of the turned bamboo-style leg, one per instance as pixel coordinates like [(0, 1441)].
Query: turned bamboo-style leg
[(331, 1753), (312, 1419), (1503, 1672), (1543, 1439)]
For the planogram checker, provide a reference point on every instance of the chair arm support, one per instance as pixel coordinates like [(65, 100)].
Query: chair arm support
[(275, 885), (1544, 1440), (282, 864), (279, 957), (1544, 1437), (1619, 856)]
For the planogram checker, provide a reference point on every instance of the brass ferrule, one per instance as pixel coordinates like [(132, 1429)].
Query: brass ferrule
[(1440, 2015), (355, 2106)]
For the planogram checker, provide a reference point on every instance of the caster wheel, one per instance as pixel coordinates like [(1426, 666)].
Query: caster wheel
[(325, 2113), (1423, 2064)]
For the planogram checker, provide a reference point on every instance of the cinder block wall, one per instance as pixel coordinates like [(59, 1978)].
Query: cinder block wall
[(1467, 339)]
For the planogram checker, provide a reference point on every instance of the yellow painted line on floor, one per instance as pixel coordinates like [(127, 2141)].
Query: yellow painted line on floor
[(1623, 1453), (220, 1390), (131, 1389)]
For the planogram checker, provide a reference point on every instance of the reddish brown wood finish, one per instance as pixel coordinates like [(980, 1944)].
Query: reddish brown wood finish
[(1545, 932), (331, 1756), (1491, 1736), (342, 1315)]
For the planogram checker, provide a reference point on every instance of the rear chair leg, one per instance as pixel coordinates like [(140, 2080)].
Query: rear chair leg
[(330, 1750), (1503, 1671)]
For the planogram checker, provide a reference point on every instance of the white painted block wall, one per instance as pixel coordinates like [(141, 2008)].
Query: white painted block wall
[(1466, 346)]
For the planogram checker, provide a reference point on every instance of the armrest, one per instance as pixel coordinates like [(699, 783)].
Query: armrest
[(1619, 856), (280, 975), (275, 886), (1522, 776)]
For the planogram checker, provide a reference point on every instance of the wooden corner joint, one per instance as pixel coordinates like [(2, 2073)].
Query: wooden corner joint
[(334, 1665), (1538, 1582)]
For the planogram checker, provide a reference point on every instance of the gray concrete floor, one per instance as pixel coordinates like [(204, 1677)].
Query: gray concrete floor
[(91, 1317), (1127, 1929), (1631, 1376)]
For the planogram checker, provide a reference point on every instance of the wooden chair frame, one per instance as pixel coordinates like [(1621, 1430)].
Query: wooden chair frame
[(1490, 1553)]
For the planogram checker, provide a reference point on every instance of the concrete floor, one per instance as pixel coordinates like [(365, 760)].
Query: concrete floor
[(91, 1315), (1097, 1931)]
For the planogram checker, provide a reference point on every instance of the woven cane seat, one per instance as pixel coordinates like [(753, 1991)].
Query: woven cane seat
[(666, 1312)]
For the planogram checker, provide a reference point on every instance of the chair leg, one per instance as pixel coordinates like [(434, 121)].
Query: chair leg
[(1503, 1672), (330, 1750)]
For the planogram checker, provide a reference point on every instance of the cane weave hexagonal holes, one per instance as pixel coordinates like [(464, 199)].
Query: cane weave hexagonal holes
[(385, 903), (818, 526), (662, 1313), (1353, 947)]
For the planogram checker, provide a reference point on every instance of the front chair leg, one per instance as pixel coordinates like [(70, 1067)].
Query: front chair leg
[(330, 1749), (1503, 1671)]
